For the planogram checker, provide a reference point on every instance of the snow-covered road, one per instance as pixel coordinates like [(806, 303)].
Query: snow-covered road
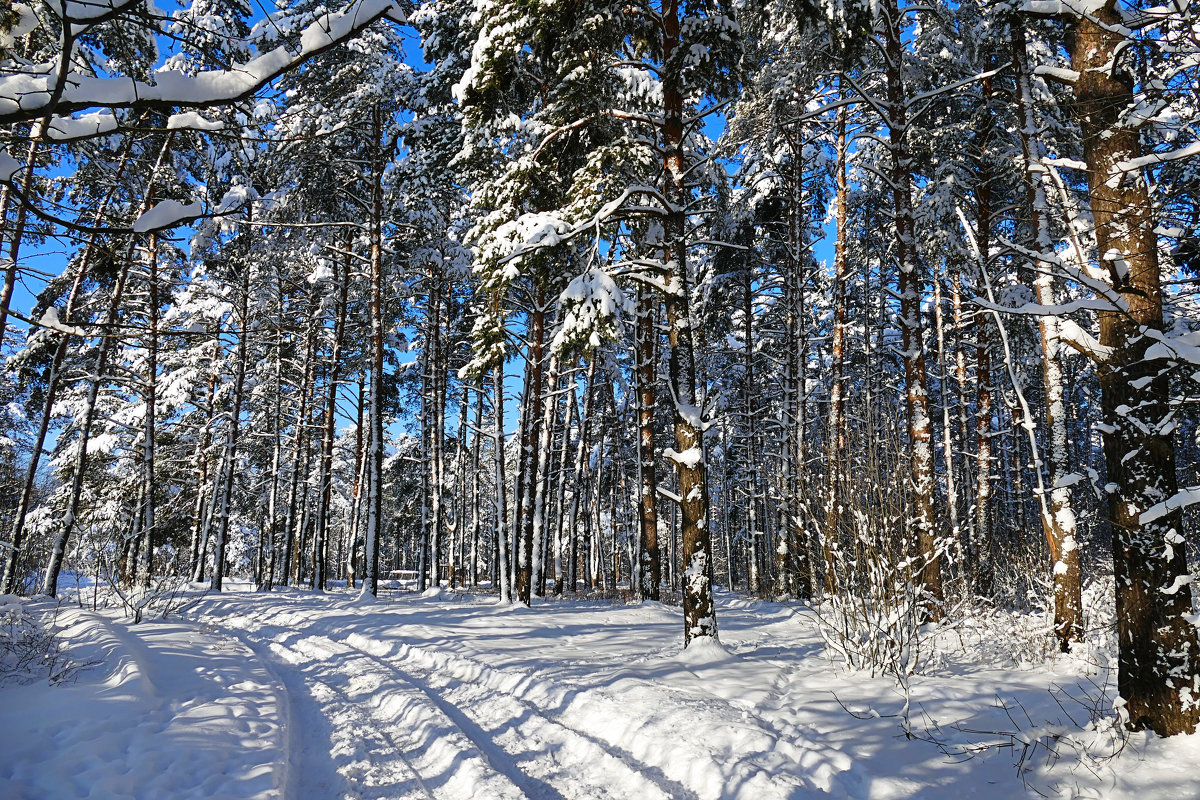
[(314, 697), (419, 713)]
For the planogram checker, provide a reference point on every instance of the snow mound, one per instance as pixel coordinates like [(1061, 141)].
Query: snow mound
[(705, 650), (167, 711)]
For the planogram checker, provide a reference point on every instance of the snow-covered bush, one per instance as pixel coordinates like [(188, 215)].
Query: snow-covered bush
[(29, 648), (874, 613), (873, 620), (1023, 636), (165, 596)]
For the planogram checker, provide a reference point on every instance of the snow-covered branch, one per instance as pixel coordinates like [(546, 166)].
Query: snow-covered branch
[(51, 91)]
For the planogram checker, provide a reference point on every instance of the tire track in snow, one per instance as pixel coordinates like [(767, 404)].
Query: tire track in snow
[(545, 759), (304, 767), (394, 705), (651, 745), (523, 734), (391, 741), (356, 735)]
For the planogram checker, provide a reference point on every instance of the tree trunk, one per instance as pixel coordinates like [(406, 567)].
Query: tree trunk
[(459, 552), (835, 455), (375, 448), (947, 427), (795, 564), (542, 459), (476, 511), (235, 422), (502, 574), (960, 389), (530, 457), (750, 448), (276, 454), (578, 483), (437, 429), (204, 510), (649, 575), (151, 400), (699, 610), (297, 489), (360, 471), (1158, 655), (981, 552), (1059, 523), (912, 327), (320, 544), (562, 527)]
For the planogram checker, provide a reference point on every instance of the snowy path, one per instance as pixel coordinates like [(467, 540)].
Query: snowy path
[(170, 712), (450, 732), (577, 701), (299, 696), (373, 713)]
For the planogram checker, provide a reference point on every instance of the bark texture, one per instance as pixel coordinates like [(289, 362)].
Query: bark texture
[(1158, 659)]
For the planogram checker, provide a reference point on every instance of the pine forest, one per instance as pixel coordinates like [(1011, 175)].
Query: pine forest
[(599, 398)]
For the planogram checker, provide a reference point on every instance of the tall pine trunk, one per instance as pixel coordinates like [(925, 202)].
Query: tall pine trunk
[(375, 447), (699, 609), (1059, 523), (578, 481), (562, 528), (836, 448), (321, 540), (476, 511), (233, 431), (151, 400), (502, 540), (649, 569), (1158, 654), (543, 459), (530, 455), (912, 327)]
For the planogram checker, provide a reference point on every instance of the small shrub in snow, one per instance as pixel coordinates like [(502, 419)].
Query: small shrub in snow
[(874, 615), (29, 648), (167, 595), (876, 626), (876, 611)]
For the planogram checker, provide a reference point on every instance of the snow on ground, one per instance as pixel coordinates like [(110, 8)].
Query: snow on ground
[(299, 695), (168, 711)]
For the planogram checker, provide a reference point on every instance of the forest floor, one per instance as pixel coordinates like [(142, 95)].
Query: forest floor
[(298, 695)]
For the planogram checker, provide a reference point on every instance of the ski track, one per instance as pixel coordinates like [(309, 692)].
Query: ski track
[(526, 754), (409, 721), (379, 740), (640, 744), (308, 769), (578, 755)]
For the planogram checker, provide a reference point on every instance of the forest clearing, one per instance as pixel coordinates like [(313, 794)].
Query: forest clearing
[(448, 695)]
